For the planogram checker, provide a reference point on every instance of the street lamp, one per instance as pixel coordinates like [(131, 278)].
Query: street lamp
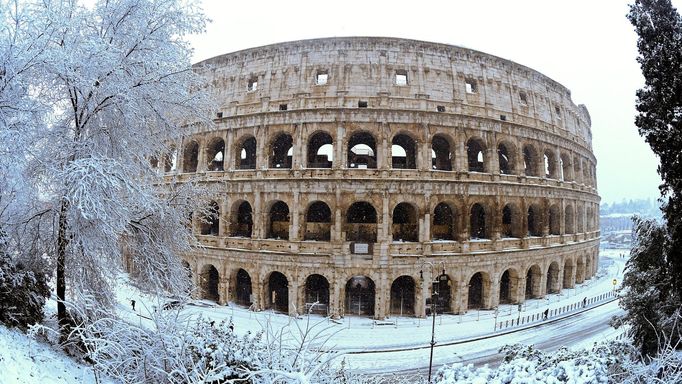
[(433, 306)]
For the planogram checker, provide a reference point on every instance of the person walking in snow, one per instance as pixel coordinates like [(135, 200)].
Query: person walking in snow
[(132, 303), (584, 302), (545, 314)]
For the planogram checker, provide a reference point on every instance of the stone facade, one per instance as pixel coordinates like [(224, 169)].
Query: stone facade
[(346, 165)]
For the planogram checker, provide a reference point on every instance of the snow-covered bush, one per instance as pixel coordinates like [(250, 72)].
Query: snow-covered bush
[(525, 364), (22, 293)]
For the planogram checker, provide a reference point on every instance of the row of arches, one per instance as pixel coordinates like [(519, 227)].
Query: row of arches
[(362, 152), (447, 221), (360, 293)]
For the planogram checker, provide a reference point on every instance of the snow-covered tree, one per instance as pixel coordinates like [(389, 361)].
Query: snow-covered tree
[(120, 89)]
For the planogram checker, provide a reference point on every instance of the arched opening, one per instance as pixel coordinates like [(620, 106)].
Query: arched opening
[(581, 219), (362, 151), (511, 221), (443, 294), (188, 273), (443, 223), (588, 268), (190, 157), (530, 162), (553, 278), (570, 220), (317, 291), (568, 274), (318, 222), (278, 292), (360, 296), (477, 222), (533, 277), (209, 283), (210, 221), (242, 220), (320, 151), (281, 151), (509, 287), (534, 221), (246, 153), (566, 168), (402, 296), (361, 222), (441, 156), (576, 170), (580, 271), (403, 152), (476, 155), (243, 288), (477, 294), (170, 160), (506, 159), (279, 221), (554, 220), (405, 225), (215, 153), (550, 165)]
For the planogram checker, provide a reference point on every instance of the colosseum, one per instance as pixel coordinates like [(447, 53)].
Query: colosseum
[(368, 175)]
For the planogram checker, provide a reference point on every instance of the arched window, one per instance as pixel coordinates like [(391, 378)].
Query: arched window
[(566, 169), (278, 292), (506, 159), (441, 155), (512, 221), (550, 165), (361, 222), (478, 222), (443, 223), (190, 157), (403, 152), (242, 220), (530, 162), (476, 155), (208, 280), (281, 151), (570, 220), (246, 153), (402, 296), (318, 222), (320, 151), (279, 221), (405, 224), (534, 221), (215, 153), (210, 222), (362, 151), (317, 292)]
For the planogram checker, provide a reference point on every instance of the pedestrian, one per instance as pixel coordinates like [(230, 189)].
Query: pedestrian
[(584, 302), (132, 303), (545, 314)]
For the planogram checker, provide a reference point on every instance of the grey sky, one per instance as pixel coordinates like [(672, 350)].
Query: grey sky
[(586, 45)]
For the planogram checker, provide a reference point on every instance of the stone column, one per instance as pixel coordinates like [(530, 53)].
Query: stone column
[(293, 297), (295, 213)]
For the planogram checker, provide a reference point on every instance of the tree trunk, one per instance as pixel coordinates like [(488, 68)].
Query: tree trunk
[(62, 242)]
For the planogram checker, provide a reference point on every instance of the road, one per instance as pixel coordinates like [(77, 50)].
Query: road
[(577, 330)]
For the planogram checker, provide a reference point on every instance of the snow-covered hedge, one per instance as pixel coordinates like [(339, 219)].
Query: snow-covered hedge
[(22, 294)]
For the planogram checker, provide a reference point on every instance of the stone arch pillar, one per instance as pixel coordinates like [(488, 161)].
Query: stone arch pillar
[(294, 309), (494, 290), (340, 154), (295, 215)]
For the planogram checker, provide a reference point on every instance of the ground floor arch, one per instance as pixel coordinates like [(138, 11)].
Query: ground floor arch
[(402, 296), (278, 292), (509, 287), (316, 294), (360, 296), (443, 294), (533, 277), (479, 286), (552, 284), (209, 281), (243, 288)]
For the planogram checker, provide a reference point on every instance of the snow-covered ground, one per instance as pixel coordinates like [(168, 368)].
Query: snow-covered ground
[(354, 333), (27, 361)]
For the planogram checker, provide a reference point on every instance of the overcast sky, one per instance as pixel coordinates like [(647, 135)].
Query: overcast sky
[(586, 45)]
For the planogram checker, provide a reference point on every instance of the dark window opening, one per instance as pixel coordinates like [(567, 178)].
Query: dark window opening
[(283, 107), (246, 154), (534, 222), (244, 289), (279, 221), (362, 151), (278, 292), (210, 221), (443, 223), (402, 296), (440, 108), (529, 161), (242, 222), (403, 152), (505, 160), (475, 297), (317, 293), (215, 154), (318, 222), (523, 97), (281, 151), (209, 279), (190, 159), (320, 151), (360, 296), (477, 222), (405, 223), (361, 223), (362, 104), (475, 156)]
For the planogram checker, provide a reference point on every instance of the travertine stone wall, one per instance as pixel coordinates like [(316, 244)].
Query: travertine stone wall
[(517, 176)]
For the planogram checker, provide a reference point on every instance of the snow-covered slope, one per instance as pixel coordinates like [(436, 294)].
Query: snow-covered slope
[(27, 361)]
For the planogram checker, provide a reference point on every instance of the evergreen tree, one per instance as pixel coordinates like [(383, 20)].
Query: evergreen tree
[(659, 104), (653, 282)]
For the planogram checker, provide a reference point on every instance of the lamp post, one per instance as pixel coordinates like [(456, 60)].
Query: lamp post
[(433, 306)]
